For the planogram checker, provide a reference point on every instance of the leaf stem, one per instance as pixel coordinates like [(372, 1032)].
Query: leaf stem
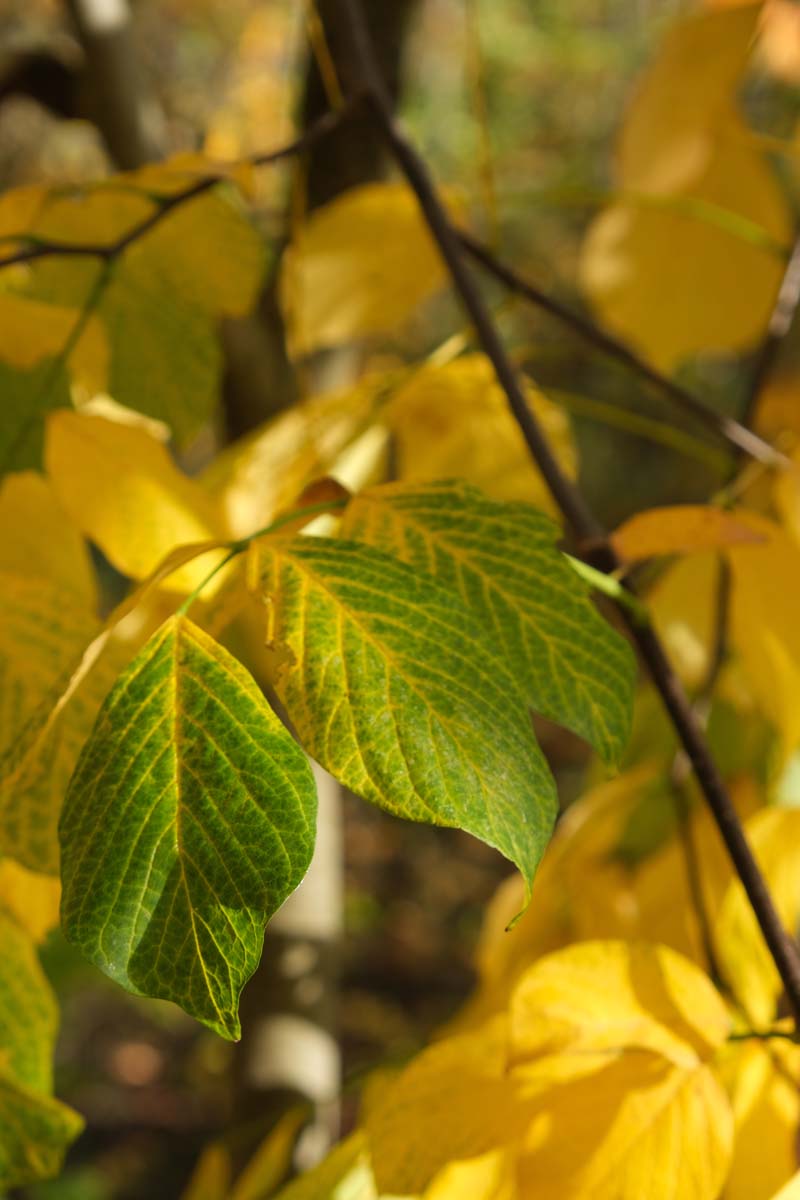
[(238, 546), (572, 504)]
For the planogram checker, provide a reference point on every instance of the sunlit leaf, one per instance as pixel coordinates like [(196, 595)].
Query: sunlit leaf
[(455, 1100), (453, 421), (502, 561), (639, 1126), (360, 266), (188, 821), (396, 689), (761, 1080), (774, 835), (35, 1129), (615, 1039), (604, 996)]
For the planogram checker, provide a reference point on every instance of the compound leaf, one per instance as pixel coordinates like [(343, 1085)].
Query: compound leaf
[(396, 689)]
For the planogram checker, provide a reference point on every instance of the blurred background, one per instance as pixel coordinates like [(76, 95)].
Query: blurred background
[(515, 104)]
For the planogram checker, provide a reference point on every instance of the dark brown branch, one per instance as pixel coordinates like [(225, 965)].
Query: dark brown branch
[(111, 250), (583, 522), (723, 426), (780, 323)]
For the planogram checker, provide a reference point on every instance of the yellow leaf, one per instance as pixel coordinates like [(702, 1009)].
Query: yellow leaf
[(766, 582), (211, 1177), (31, 330), (791, 1191), (453, 421), (606, 996), (455, 1100), (774, 834), (638, 1127), (360, 266), (39, 541), (586, 889), (490, 1177), (680, 529), (761, 1078), (683, 609), (120, 487), (697, 183), (614, 1041), (30, 898)]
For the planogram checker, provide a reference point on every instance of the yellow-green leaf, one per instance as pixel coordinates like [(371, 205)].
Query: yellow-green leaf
[(502, 561), (188, 821), (396, 689), (159, 299)]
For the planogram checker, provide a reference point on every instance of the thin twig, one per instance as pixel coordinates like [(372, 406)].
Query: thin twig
[(46, 248), (780, 323), (723, 426), (574, 508)]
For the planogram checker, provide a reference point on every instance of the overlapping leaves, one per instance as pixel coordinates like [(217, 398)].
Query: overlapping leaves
[(138, 318)]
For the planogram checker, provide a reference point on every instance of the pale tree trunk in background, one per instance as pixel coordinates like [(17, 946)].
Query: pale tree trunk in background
[(289, 1037)]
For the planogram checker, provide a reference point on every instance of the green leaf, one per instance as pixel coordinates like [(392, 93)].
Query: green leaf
[(34, 1129), (188, 820), (502, 560), (25, 398), (394, 687)]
